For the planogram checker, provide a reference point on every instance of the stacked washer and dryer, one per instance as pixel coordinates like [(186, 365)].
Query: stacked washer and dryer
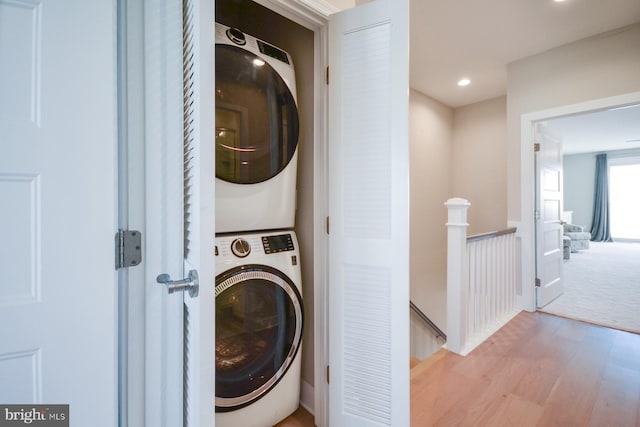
[(258, 293)]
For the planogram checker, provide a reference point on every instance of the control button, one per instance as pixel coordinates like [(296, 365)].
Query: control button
[(240, 248), (236, 36)]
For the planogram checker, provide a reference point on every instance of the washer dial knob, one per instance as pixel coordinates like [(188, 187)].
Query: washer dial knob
[(240, 247)]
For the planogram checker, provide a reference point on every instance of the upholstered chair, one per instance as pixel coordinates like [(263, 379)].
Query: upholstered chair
[(579, 237)]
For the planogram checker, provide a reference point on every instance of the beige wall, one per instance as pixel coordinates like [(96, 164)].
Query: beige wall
[(479, 165), (430, 133), (589, 69), (579, 172), (454, 153), (300, 46)]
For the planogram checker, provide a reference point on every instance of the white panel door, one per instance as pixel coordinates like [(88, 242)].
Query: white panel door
[(58, 300), (549, 259), (369, 201)]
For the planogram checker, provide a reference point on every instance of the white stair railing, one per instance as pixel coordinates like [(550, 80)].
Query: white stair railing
[(481, 281)]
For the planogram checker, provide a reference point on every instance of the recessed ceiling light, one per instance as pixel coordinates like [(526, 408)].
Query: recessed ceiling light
[(558, 1), (464, 82)]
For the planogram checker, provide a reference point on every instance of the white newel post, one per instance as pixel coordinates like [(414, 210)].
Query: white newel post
[(457, 292)]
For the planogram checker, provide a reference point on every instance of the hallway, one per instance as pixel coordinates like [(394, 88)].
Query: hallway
[(539, 370)]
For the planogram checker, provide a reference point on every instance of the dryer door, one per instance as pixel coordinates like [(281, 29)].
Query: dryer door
[(258, 332), (256, 118)]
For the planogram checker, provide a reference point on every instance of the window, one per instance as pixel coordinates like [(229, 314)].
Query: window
[(624, 198)]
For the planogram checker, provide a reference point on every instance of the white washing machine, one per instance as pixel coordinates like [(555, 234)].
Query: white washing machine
[(259, 317), (257, 132)]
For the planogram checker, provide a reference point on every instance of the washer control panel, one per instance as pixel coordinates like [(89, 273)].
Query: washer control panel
[(277, 243), (230, 247), (250, 244)]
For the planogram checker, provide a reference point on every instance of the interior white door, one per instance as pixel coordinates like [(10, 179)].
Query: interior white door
[(369, 201), (549, 252), (199, 203), (58, 136)]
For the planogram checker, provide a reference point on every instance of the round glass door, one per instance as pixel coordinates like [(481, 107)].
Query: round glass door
[(256, 118), (258, 333)]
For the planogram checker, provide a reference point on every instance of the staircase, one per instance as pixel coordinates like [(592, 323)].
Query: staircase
[(419, 366), (425, 336)]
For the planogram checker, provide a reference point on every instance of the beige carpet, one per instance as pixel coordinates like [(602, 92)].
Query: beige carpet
[(602, 286)]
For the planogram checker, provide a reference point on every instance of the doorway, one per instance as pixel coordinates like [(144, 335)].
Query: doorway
[(387, 13), (527, 195), (597, 275)]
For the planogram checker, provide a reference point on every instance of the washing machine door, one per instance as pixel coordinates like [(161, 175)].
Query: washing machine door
[(258, 333), (256, 118)]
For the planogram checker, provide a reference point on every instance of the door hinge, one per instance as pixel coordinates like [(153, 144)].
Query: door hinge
[(327, 374), (537, 282), (536, 147), (327, 75), (128, 248), (327, 225)]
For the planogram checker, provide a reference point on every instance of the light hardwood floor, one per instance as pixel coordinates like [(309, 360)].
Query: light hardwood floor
[(300, 418), (539, 370)]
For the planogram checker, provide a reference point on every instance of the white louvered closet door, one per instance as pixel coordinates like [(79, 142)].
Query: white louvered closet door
[(369, 217), (199, 211)]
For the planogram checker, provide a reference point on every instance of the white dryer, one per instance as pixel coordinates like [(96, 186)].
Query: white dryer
[(257, 132), (259, 317)]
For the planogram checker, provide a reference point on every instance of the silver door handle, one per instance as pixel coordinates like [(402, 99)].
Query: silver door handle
[(190, 283)]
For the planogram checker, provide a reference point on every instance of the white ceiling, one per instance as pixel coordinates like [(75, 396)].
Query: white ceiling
[(451, 39), (609, 130)]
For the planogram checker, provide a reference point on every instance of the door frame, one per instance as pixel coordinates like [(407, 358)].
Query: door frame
[(131, 210), (527, 300)]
